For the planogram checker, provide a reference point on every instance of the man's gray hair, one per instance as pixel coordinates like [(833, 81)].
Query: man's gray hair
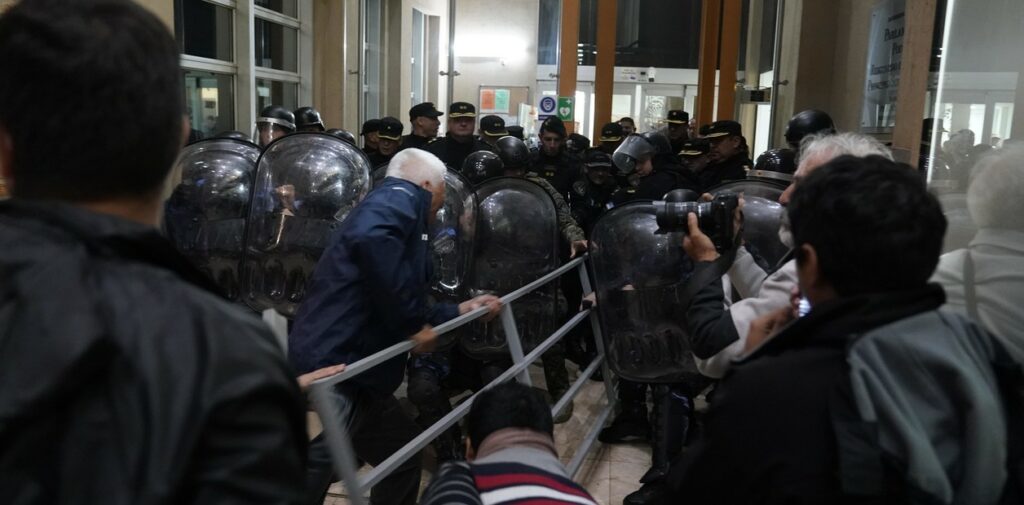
[(416, 166), (994, 193), (840, 144)]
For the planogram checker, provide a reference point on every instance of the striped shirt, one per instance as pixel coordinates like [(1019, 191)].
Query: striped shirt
[(502, 483)]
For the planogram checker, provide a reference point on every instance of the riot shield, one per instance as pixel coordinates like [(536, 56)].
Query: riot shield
[(451, 233), (640, 280), (306, 184), (516, 243), (205, 214), (762, 215)]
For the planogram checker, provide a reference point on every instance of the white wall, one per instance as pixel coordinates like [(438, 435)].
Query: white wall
[(493, 27), (397, 67)]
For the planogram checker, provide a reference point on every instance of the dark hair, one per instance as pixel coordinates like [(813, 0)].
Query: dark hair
[(628, 120), (508, 405), (872, 223), (75, 65)]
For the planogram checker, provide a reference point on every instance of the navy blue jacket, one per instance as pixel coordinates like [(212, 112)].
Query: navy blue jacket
[(369, 290)]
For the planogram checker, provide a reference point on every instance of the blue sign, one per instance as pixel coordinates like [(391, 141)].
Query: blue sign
[(548, 105)]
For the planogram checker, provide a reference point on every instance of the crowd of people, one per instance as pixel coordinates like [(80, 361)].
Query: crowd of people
[(864, 367)]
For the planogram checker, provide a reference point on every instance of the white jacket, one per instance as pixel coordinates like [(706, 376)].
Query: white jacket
[(998, 259), (762, 293)]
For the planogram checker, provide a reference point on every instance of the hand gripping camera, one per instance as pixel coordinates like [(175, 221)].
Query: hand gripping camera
[(714, 218)]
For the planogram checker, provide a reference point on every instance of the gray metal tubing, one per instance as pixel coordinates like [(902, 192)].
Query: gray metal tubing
[(581, 451), (342, 453), (576, 386), (595, 326), (381, 356), (388, 465), (515, 344)]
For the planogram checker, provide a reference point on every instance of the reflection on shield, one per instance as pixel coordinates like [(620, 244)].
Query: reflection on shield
[(205, 216), (762, 215), (306, 184), (451, 238), (640, 279), (517, 242)]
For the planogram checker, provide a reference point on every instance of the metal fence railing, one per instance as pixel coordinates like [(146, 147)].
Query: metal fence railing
[(338, 439)]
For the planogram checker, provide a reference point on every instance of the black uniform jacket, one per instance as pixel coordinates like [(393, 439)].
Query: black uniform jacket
[(125, 379)]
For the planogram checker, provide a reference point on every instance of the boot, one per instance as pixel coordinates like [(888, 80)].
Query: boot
[(670, 422), (631, 423), (651, 493)]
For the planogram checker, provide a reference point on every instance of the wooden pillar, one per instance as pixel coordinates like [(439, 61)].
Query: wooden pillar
[(568, 47), (328, 60), (711, 12), (917, 55), (607, 15), (731, 17)]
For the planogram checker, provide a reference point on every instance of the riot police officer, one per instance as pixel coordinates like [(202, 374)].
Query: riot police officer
[(274, 122), (307, 119), (515, 157), (492, 128), (729, 156), (342, 134), (611, 138), (678, 122), (369, 134), (694, 155), (423, 118), (389, 140), (552, 162), (576, 143), (649, 156), (592, 192), (459, 142)]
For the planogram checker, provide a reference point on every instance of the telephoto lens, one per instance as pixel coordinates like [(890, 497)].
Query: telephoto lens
[(714, 218)]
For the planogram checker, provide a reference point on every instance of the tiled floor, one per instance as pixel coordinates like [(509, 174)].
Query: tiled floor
[(609, 472)]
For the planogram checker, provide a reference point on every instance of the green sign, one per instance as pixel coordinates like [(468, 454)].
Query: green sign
[(565, 108)]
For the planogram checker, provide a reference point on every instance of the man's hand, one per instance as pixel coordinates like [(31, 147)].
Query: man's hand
[(425, 339), (589, 302), (767, 326), (577, 247), (493, 304), (696, 244), (308, 378)]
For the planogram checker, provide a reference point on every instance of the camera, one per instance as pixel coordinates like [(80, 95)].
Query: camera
[(714, 218)]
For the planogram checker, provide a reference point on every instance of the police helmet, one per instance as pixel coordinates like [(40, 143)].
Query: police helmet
[(275, 114), (308, 119), (513, 153), (806, 123), (482, 165)]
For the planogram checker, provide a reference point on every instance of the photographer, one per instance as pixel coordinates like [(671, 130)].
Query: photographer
[(718, 334)]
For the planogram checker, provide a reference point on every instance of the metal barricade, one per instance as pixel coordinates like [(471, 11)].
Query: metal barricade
[(340, 444)]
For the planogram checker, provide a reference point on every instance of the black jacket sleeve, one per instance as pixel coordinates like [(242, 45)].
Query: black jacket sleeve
[(452, 484), (708, 323)]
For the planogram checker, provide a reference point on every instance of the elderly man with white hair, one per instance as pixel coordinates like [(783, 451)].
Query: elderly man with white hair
[(369, 292), (985, 280)]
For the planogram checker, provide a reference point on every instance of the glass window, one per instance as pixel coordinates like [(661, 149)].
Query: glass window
[(270, 92), (286, 7), (210, 100), (205, 30), (649, 33), (276, 46)]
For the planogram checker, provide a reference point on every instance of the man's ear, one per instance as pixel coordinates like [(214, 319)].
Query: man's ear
[(470, 453), (808, 269), (7, 159)]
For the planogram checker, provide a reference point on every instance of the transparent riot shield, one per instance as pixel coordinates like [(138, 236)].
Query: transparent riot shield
[(516, 243), (205, 215), (640, 280), (306, 184)]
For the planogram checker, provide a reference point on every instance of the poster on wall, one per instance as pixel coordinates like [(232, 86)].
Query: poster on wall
[(885, 57), (494, 100)]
